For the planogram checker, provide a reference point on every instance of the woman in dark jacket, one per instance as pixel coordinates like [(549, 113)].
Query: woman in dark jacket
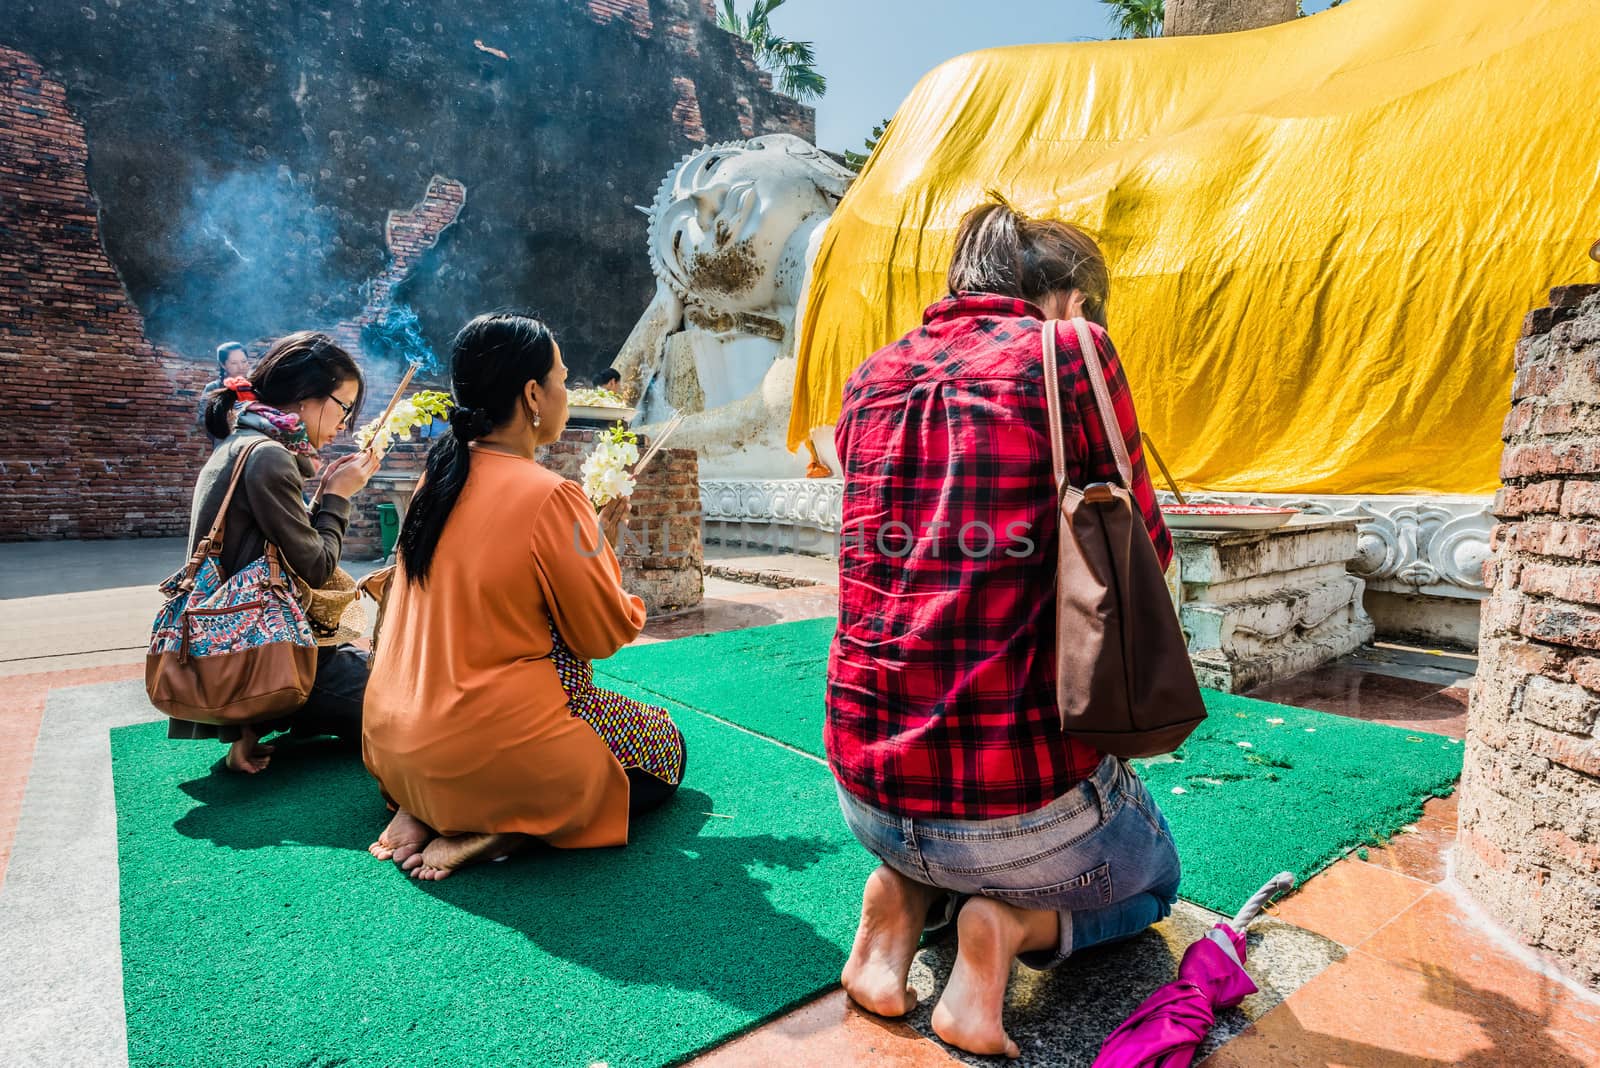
[(299, 397)]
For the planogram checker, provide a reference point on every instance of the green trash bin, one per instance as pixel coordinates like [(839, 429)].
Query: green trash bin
[(388, 528)]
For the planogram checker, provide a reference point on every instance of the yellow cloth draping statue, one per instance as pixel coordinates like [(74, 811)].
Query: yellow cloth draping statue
[(1322, 234)]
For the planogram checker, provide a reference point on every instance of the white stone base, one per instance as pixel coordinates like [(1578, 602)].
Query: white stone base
[(798, 515), (1258, 606), (1413, 619), (1421, 558)]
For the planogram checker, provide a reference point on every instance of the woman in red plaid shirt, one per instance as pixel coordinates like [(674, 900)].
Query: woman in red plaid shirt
[(942, 726)]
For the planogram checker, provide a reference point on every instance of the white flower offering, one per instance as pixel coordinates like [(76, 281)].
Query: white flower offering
[(607, 472), (418, 410), (595, 398)]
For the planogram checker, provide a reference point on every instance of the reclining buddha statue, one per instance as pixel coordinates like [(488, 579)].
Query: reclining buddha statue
[(732, 233)]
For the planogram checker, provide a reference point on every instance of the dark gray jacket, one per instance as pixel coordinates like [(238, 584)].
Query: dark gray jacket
[(269, 505)]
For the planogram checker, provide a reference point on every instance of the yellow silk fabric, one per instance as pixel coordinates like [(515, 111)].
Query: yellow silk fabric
[(1322, 235)]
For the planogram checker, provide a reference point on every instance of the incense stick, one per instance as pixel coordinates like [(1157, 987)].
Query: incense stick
[(383, 420), (655, 446), (1164, 472)]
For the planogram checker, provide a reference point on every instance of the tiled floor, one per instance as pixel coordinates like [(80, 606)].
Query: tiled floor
[(1416, 690), (1425, 981), (1422, 978)]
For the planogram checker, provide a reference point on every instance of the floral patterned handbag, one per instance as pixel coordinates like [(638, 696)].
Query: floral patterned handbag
[(230, 651)]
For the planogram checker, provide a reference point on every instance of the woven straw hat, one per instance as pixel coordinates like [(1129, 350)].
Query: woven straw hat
[(334, 611)]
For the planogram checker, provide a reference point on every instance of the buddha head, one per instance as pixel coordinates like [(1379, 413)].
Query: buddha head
[(726, 214)]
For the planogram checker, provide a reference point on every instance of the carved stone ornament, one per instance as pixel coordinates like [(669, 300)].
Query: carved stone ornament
[(1429, 546), (1432, 546)]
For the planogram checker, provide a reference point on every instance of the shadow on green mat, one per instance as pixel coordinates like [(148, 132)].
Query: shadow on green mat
[(675, 911), (313, 794), (661, 911)]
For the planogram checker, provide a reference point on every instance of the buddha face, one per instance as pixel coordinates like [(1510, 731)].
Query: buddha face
[(725, 216)]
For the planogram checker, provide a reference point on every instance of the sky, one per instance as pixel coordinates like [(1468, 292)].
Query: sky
[(874, 51)]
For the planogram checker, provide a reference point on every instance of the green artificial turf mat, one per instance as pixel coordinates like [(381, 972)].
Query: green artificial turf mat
[(257, 931), (1269, 788), (772, 680), (1295, 797)]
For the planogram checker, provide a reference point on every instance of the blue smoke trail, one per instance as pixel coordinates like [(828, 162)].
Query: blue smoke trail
[(397, 333)]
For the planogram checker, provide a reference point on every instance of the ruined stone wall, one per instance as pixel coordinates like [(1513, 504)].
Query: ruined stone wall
[(245, 156), (1530, 794), (97, 425), (389, 152)]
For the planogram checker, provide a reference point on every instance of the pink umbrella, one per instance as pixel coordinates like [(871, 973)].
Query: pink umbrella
[(1169, 1025)]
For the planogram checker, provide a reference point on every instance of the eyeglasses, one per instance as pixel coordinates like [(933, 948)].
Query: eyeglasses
[(343, 407)]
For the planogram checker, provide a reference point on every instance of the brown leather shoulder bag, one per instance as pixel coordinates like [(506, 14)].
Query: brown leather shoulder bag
[(233, 650), (1124, 683)]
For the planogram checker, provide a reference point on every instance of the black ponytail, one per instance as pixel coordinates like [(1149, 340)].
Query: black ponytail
[(219, 403), (492, 360)]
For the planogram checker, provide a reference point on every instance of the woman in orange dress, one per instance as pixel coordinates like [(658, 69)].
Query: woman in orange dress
[(482, 722)]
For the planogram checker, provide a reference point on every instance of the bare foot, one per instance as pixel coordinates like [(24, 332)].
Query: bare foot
[(403, 838), (893, 909), (989, 936), (247, 755), (442, 856)]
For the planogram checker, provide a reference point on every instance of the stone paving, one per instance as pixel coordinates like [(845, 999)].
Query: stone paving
[(1377, 961)]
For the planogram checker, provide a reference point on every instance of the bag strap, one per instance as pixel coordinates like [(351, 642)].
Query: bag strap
[(211, 544), (1102, 396)]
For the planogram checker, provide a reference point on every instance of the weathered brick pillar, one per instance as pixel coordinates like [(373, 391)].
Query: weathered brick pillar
[(661, 553), (1530, 795), (1189, 18)]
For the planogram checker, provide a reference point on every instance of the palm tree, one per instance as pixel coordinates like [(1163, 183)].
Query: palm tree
[(1137, 18), (856, 160), (793, 63)]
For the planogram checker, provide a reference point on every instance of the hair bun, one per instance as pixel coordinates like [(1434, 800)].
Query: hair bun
[(469, 423)]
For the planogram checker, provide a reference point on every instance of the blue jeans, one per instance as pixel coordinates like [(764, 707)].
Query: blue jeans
[(1101, 855)]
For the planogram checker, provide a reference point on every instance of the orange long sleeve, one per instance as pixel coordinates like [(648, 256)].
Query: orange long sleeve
[(580, 577)]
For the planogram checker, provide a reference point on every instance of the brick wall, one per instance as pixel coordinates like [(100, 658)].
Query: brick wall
[(97, 429), (1530, 797), (662, 556), (403, 463), (97, 425)]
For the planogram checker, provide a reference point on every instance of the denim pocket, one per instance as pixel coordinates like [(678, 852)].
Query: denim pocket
[(1091, 890), (1135, 793)]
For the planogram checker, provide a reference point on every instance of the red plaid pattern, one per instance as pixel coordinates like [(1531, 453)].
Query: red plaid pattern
[(941, 683)]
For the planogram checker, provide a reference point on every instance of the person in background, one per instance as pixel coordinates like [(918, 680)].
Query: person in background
[(233, 361), (610, 379)]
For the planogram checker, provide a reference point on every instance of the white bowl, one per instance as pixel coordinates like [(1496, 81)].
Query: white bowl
[(601, 413), (1226, 517)]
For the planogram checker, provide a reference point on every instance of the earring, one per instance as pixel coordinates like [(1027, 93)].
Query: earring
[(535, 418)]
